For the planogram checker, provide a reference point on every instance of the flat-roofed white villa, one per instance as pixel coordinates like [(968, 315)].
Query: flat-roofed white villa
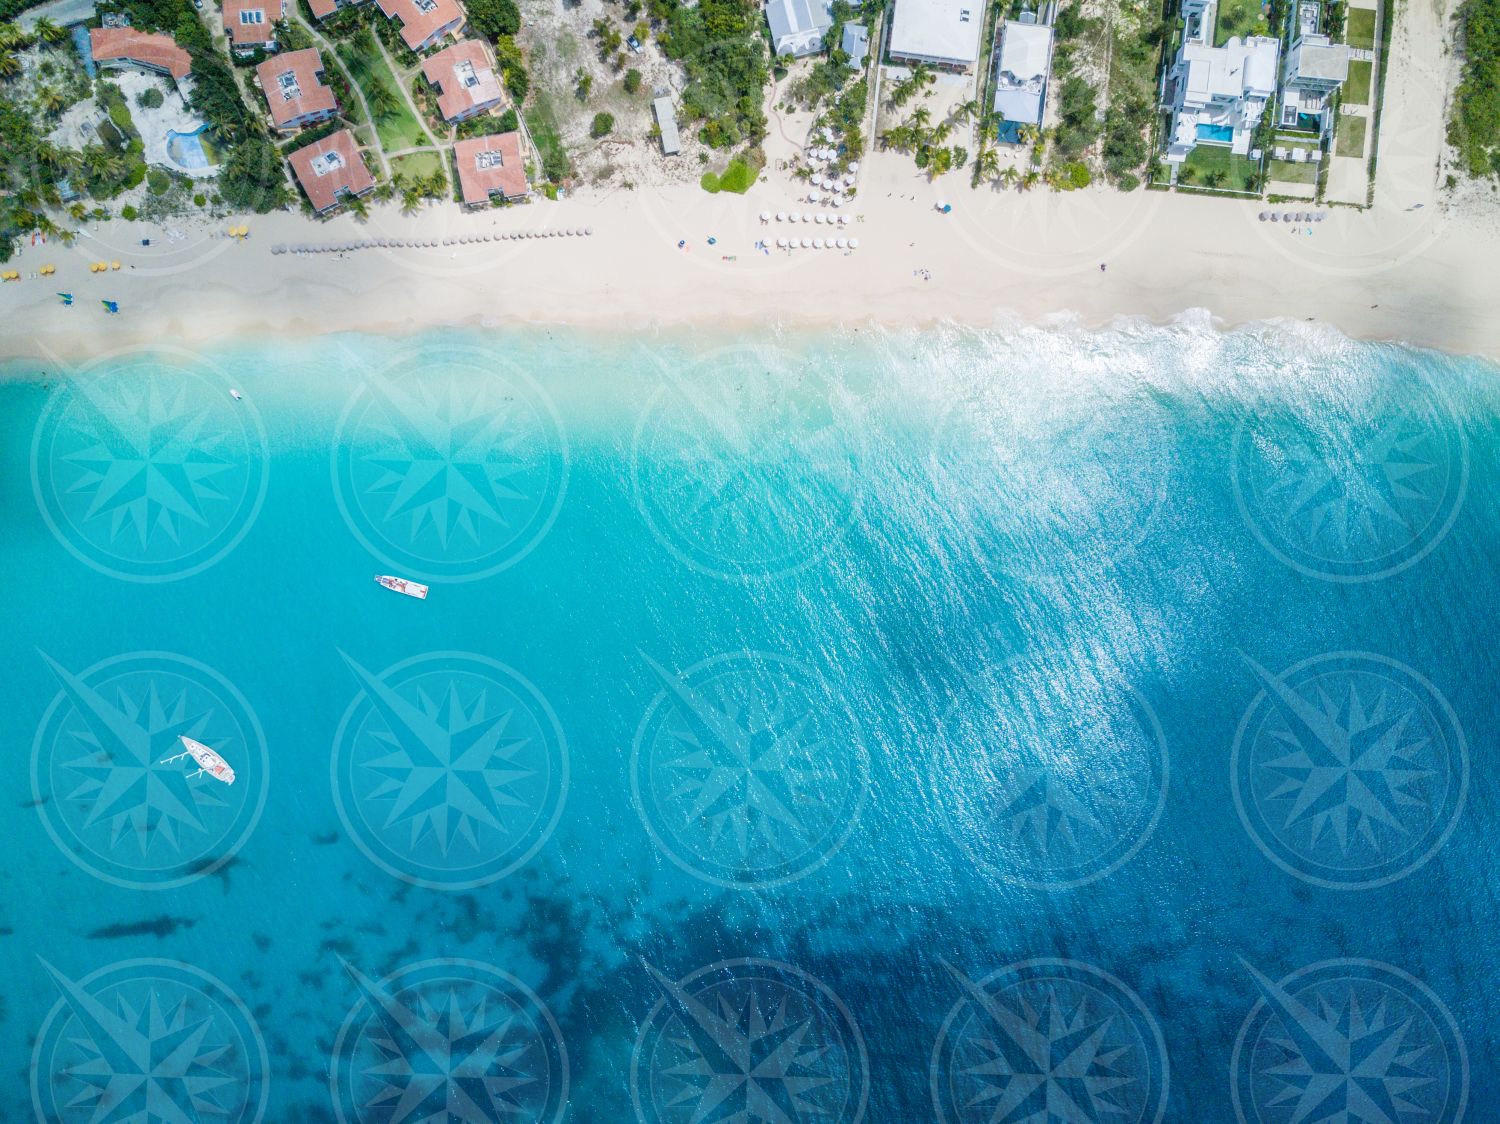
[(1021, 68), (1315, 68), (1217, 94), (940, 33)]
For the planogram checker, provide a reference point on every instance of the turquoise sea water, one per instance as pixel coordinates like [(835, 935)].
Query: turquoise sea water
[(1034, 726)]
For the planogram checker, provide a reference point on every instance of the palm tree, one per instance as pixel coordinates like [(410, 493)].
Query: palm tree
[(922, 75), (411, 201), (11, 36), (51, 102), (383, 101), (986, 165), (10, 65), (1029, 179), (966, 111), (358, 208), (920, 118), (1009, 175), (1028, 134), (49, 32)]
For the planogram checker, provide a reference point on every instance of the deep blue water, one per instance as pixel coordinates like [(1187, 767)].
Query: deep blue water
[(1038, 726)]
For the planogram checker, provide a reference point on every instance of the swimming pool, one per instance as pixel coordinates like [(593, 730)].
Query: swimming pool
[(186, 149), (1216, 134)]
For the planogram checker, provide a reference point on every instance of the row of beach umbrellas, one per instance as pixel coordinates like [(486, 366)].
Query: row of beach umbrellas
[(428, 243), (1293, 216), (817, 243), (798, 216)]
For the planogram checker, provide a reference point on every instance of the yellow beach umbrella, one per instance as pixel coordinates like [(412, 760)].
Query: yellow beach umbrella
[(48, 270), (114, 265)]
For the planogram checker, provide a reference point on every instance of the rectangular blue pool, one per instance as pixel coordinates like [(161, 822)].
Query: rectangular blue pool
[(1215, 134)]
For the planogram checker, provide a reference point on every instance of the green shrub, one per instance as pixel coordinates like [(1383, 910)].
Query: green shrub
[(158, 182), (200, 200), (151, 99), (119, 113), (136, 176), (602, 125), (129, 213), (632, 81), (710, 182)]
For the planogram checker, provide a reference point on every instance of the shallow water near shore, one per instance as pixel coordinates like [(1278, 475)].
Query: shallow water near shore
[(882, 726)]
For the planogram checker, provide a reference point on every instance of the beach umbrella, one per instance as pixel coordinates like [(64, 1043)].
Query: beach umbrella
[(813, 196), (781, 216), (843, 244), (114, 265), (819, 219), (854, 243), (1322, 215), (817, 243), (765, 216), (854, 165), (1263, 216), (795, 216), (588, 230), (805, 243), (844, 219), (1275, 217), (1286, 216), (781, 243)]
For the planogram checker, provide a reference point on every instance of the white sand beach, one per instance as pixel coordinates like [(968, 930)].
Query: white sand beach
[(1425, 276)]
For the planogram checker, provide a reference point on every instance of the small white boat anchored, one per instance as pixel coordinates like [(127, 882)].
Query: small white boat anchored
[(208, 761), (236, 395), (401, 585)]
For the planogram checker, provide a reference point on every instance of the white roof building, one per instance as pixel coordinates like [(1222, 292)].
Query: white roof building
[(666, 121), (1021, 73), (1218, 94), (798, 26), (941, 33)]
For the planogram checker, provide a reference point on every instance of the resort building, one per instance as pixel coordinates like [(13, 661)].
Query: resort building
[(251, 24), (856, 44), (424, 22), (294, 89), (490, 167), (1021, 69), (940, 33), (666, 124), (798, 26), (465, 78), (1217, 95), (1315, 69), (331, 170), (322, 9), (126, 48)]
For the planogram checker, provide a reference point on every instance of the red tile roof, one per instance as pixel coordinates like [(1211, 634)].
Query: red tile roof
[(299, 95), (252, 34), (491, 165), (465, 78), (329, 167), (108, 44), (322, 9), (421, 19)]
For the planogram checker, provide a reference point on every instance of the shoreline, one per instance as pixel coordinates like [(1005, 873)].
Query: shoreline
[(1419, 275)]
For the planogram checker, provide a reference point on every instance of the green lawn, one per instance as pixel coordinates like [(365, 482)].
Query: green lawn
[(1359, 31), (1207, 159), (1350, 139), (417, 164), (541, 120), (1357, 88), (398, 129), (1239, 17), (1288, 172)]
